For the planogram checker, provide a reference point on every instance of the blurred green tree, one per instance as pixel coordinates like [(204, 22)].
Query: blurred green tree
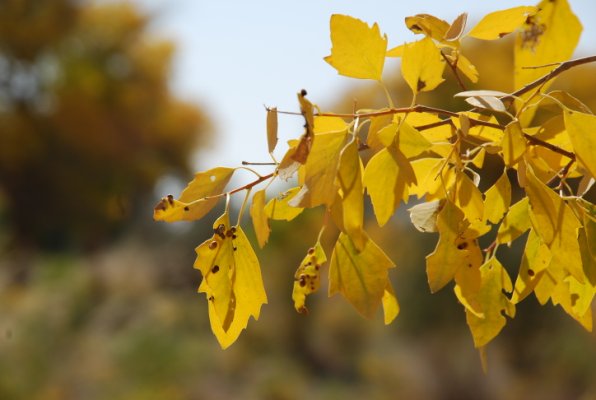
[(87, 120)]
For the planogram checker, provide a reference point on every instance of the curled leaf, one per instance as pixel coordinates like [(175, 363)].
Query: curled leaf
[(307, 278)]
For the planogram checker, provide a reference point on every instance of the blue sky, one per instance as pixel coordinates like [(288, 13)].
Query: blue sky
[(234, 57)]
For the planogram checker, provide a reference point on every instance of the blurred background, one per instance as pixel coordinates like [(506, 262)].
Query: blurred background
[(106, 106)]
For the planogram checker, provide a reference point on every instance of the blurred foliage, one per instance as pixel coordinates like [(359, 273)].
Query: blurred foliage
[(87, 120)]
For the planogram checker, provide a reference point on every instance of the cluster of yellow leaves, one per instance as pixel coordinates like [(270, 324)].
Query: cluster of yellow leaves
[(413, 152)]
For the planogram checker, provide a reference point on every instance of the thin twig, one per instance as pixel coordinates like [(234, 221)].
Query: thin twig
[(453, 68)]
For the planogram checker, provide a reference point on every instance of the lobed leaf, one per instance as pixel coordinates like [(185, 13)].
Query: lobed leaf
[(422, 65), (357, 51), (307, 278), (500, 23)]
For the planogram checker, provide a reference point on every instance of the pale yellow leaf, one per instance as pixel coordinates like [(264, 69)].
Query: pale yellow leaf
[(513, 144), (468, 198), (424, 215), (357, 51), (428, 25), (390, 304), (535, 260)]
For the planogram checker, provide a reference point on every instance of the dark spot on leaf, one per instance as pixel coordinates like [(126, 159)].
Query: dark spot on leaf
[(308, 263), (171, 199), (220, 230), (233, 229), (186, 208), (469, 265), (312, 287), (303, 92), (212, 245), (415, 28), (311, 250), (531, 272), (420, 85), (215, 269), (462, 246), (211, 298), (235, 248), (302, 281), (162, 205), (229, 233), (503, 34), (317, 267), (574, 298), (234, 236)]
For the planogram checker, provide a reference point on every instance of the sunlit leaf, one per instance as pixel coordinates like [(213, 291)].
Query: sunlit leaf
[(535, 259), (428, 25), (357, 51), (433, 178), (580, 128), (422, 65), (493, 302), (500, 23), (468, 198), (497, 199), (193, 204), (390, 304), (387, 177), (320, 171), (556, 225), (349, 176), (260, 220), (278, 209), (307, 278), (361, 277), (549, 36), (232, 280), (513, 144), (515, 223)]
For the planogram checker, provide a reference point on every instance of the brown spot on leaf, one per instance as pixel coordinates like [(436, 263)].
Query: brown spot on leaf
[(462, 246), (531, 272), (215, 269), (420, 85), (212, 245), (311, 250)]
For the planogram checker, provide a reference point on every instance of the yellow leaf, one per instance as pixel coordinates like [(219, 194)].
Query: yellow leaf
[(428, 25), (232, 280), (556, 225), (513, 144), (320, 171), (307, 110), (494, 280), (271, 128), (550, 36), (456, 28), (500, 23), (278, 209), (377, 124), (484, 133), (307, 278), (497, 199), (468, 198), (452, 252), (259, 217), (440, 133), (478, 159), (390, 304), (465, 66), (422, 65), (386, 177), (192, 204), (515, 223), (349, 176), (397, 51), (431, 180), (581, 130), (410, 142), (357, 51), (535, 260), (324, 124), (361, 277)]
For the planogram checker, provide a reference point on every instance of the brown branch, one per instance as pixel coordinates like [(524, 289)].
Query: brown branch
[(564, 66), (453, 68), (552, 147)]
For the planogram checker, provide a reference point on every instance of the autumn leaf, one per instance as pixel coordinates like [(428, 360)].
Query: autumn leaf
[(500, 23), (497, 199), (307, 278), (260, 220), (357, 51), (513, 144), (422, 65), (515, 223), (271, 128), (390, 304), (278, 208), (196, 199), (361, 277), (580, 127), (231, 281)]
